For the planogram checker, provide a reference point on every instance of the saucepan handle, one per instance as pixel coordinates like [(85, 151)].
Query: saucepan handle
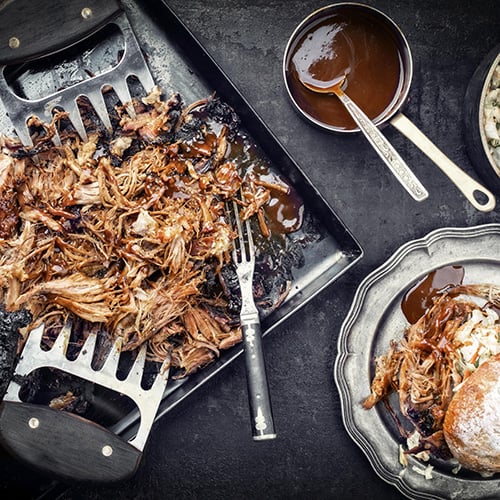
[(65, 445), (480, 198), (385, 150), (31, 30)]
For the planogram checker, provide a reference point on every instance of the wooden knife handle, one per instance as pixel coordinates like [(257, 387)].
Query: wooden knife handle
[(65, 445), (31, 29)]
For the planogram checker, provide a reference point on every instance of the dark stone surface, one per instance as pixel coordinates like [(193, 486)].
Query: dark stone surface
[(203, 448)]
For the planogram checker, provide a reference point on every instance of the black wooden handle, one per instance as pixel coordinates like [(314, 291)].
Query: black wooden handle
[(258, 390), (31, 29), (65, 445)]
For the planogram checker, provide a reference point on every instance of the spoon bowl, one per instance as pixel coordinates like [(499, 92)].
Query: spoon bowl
[(332, 87)]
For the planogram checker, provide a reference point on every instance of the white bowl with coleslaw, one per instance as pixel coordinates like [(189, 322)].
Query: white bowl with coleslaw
[(482, 119)]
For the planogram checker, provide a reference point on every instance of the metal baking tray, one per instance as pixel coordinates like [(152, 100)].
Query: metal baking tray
[(179, 63)]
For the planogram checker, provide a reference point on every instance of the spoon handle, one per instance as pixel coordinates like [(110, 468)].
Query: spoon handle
[(479, 197), (386, 151)]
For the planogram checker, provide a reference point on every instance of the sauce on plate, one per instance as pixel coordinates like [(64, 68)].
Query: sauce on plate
[(419, 298)]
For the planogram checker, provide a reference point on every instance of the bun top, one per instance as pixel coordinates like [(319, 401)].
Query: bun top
[(472, 422)]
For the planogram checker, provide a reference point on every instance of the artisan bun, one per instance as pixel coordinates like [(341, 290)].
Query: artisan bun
[(472, 421)]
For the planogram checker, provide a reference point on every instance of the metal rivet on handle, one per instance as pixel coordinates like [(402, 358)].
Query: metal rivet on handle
[(86, 12), (107, 450), (33, 423), (14, 42)]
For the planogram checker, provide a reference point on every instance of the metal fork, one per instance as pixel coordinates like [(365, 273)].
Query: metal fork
[(258, 391)]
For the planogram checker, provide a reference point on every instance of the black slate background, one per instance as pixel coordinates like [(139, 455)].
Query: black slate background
[(203, 448)]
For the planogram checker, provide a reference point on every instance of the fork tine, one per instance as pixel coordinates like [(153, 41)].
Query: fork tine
[(71, 107), (251, 248), (24, 135), (241, 239), (99, 104), (35, 335), (162, 377), (57, 139), (123, 93)]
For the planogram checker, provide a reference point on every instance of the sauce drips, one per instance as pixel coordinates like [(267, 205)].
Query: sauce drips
[(285, 209), (349, 42), (285, 212), (420, 297)]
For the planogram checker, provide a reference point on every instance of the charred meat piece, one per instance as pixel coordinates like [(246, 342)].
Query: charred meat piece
[(10, 323), (222, 113)]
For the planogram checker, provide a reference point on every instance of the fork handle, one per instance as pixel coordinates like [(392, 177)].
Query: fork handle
[(258, 390), (65, 445), (31, 30)]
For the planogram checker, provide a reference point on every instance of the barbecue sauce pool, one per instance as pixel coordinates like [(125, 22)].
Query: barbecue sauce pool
[(420, 297), (285, 210), (349, 42)]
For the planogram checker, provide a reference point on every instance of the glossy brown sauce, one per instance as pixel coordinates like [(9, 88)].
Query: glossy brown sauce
[(351, 42), (285, 210), (420, 297)]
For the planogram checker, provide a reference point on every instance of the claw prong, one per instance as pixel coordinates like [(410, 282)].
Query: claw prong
[(62, 341)]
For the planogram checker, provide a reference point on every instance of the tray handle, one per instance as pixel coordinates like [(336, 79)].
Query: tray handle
[(65, 445), (31, 30)]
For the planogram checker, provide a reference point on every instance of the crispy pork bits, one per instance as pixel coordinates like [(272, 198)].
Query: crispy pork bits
[(128, 232)]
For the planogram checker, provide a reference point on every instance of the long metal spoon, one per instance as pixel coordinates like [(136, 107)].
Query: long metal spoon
[(381, 145)]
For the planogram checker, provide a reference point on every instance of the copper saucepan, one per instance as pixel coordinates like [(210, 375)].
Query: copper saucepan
[(370, 49)]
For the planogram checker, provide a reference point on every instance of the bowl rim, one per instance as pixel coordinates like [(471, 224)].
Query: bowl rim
[(480, 117)]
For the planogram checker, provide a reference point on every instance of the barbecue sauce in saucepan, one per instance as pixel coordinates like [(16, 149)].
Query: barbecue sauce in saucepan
[(420, 297), (353, 42)]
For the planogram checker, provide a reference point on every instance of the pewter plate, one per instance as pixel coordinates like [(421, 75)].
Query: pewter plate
[(375, 317)]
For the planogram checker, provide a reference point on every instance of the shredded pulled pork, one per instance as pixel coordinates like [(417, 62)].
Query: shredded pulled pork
[(128, 232), (434, 357)]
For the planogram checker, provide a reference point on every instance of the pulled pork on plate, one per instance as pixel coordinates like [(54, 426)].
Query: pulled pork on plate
[(433, 359), (126, 232)]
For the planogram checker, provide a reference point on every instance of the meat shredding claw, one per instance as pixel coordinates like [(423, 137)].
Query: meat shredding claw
[(258, 391), (67, 445), (59, 25)]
